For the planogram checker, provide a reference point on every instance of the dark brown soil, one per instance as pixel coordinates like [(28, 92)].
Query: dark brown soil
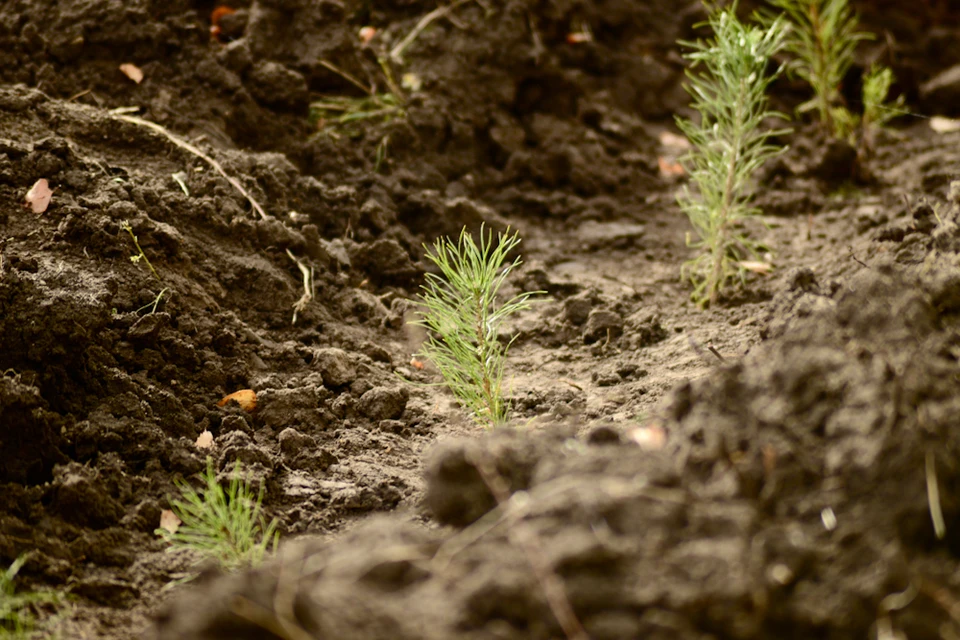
[(802, 418)]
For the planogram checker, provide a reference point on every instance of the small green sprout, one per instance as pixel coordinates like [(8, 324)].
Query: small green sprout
[(463, 319), (877, 112), (339, 111), (135, 259), (227, 525), (17, 618), (728, 82)]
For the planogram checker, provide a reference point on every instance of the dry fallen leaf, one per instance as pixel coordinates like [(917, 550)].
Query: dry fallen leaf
[(205, 440), (669, 139), (169, 521), (763, 268), (246, 398), (669, 169), (132, 71), (944, 125), (366, 34), (38, 198)]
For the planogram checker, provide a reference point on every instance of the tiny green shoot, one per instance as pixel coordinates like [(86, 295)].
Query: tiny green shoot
[(135, 259), (877, 111), (17, 618), (463, 318), (728, 81), (225, 524)]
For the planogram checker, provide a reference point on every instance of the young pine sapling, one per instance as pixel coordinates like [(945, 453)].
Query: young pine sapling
[(226, 524), (460, 310), (877, 112), (822, 38), (728, 81)]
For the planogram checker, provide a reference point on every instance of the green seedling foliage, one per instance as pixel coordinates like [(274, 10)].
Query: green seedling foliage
[(226, 524), (460, 311), (877, 112), (135, 259), (822, 39), (17, 619), (338, 112), (728, 82)]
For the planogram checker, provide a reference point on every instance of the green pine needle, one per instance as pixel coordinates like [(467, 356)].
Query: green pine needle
[(728, 83), (226, 524), (459, 309)]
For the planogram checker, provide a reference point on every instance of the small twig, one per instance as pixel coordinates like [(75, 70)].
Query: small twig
[(156, 301), (714, 351), (933, 497), (186, 146), (79, 95), (701, 352), (307, 273), (346, 76), (854, 257), (396, 54)]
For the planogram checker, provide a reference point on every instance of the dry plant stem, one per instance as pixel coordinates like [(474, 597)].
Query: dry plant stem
[(933, 497), (186, 146), (307, 296), (346, 76), (396, 54), (528, 541)]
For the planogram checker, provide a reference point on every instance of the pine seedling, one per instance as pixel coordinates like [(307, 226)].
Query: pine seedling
[(17, 620), (728, 81), (226, 524), (460, 311), (877, 112), (822, 38)]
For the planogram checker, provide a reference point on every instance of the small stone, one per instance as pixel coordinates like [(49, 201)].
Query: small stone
[(604, 434), (335, 367), (577, 309), (292, 442), (382, 403), (600, 324), (273, 84)]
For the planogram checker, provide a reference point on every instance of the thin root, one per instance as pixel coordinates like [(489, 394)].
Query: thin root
[(186, 146)]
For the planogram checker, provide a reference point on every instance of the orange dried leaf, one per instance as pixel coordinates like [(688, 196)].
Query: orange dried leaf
[(38, 198), (246, 398), (169, 521), (669, 169), (132, 71), (219, 12), (367, 34), (204, 440)]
